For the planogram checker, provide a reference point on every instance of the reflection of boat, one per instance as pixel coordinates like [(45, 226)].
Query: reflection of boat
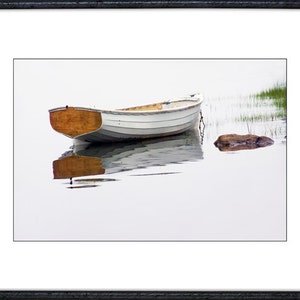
[(76, 166), (91, 159), (140, 122)]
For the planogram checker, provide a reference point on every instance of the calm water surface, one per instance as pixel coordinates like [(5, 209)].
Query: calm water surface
[(177, 188)]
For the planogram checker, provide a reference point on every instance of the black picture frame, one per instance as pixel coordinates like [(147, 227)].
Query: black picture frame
[(102, 4), (149, 295)]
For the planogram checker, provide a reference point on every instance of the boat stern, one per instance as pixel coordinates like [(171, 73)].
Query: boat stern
[(73, 121)]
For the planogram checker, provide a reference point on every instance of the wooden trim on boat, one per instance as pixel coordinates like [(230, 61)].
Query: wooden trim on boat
[(74, 122)]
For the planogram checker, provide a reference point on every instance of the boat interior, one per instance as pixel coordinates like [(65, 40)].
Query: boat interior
[(156, 106), (159, 106)]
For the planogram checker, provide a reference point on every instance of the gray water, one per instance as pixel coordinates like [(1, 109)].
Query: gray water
[(180, 188)]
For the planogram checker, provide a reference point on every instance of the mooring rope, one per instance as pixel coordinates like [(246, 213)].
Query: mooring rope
[(201, 127)]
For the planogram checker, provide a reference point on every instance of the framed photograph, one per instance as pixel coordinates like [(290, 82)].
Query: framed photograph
[(147, 157), (153, 164)]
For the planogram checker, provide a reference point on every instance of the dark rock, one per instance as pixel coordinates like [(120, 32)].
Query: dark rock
[(234, 142), (264, 141)]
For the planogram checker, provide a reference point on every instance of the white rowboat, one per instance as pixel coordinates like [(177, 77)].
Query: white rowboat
[(140, 122)]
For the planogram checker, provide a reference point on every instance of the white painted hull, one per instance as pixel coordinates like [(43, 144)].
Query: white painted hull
[(119, 125)]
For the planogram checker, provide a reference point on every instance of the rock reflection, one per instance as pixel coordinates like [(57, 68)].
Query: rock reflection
[(93, 159)]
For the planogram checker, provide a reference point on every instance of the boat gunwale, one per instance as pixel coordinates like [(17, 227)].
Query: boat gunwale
[(124, 111)]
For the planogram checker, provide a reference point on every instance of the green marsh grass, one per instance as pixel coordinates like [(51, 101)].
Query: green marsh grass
[(262, 117), (278, 94)]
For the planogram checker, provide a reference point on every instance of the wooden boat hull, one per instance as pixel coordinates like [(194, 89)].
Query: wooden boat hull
[(141, 122)]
